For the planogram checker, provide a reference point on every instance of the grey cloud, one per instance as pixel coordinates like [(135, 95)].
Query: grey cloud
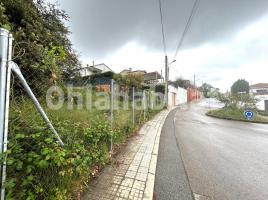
[(102, 26)]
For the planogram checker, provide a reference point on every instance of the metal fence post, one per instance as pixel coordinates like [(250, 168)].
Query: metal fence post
[(3, 79), (133, 106), (152, 100), (112, 110), (10, 40), (5, 56), (144, 105)]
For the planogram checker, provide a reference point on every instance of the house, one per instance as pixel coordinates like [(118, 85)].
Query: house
[(94, 69), (260, 92), (259, 89), (177, 96), (149, 79), (172, 96), (129, 71), (152, 78)]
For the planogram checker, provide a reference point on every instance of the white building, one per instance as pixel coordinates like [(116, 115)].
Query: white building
[(260, 92), (94, 69), (176, 96), (181, 96), (259, 89)]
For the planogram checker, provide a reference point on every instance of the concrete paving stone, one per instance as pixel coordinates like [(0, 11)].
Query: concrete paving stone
[(139, 185), (113, 189), (135, 162), (121, 172), (117, 180), (127, 182), (130, 174), (134, 193), (141, 176), (147, 156), (145, 164), (123, 192), (138, 156), (119, 198), (133, 168), (128, 179), (142, 150), (143, 170)]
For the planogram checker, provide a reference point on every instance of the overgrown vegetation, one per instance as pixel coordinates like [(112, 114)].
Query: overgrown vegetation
[(42, 48), (180, 82), (129, 80), (236, 101), (240, 86), (39, 168)]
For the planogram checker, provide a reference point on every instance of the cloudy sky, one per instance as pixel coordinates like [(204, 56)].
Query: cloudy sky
[(227, 40)]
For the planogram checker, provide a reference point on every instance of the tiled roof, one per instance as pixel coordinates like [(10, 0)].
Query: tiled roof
[(152, 76), (259, 85)]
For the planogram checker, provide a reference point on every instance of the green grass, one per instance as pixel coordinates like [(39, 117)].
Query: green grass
[(236, 114), (263, 113), (33, 151)]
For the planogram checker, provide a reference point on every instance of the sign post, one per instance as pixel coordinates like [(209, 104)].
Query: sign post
[(248, 114)]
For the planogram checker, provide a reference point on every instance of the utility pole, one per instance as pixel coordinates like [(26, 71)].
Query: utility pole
[(166, 80), (195, 92), (194, 80)]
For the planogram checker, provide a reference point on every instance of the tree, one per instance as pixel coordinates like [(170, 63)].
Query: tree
[(236, 101), (129, 80), (42, 47), (180, 82), (240, 86), (206, 88)]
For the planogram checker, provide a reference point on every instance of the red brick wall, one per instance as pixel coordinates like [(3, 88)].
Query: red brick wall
[(103, 88), (193, 94)]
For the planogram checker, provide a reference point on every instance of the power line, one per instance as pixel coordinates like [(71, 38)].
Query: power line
[(194, 9), (162, 28)]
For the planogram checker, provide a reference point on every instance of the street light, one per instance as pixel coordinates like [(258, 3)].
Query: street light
[(172, 62)]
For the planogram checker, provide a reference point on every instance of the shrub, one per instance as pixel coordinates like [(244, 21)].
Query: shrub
[(39, 168), (238, 101)]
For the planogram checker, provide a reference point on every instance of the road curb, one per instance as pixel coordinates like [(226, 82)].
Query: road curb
[(236, 120), (149, 188)]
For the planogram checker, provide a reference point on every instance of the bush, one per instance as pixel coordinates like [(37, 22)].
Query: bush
[(237, 101), (39, 168), (160, 88)]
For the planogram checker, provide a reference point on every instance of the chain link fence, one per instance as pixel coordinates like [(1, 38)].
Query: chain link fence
[(92, 117)]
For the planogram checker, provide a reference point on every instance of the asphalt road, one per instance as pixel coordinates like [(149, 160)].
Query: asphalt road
[(224, 160), (171, 181)]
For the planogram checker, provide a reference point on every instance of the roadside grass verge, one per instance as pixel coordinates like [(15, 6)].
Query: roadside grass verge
[(236, 114), (263, 113)]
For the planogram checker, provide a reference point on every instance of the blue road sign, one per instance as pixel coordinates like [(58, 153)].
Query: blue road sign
[(248, 114)]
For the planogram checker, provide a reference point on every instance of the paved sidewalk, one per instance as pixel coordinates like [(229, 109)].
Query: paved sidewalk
[(133, 176)]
